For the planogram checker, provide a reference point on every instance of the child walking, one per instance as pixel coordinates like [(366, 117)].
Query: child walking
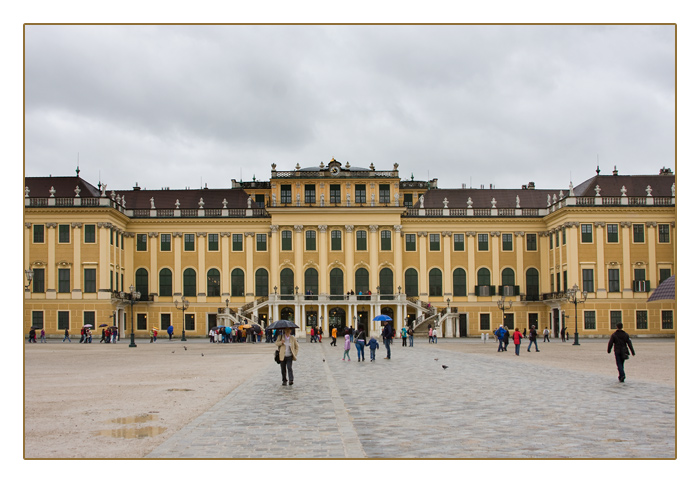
[(373, 345), (347, 346)]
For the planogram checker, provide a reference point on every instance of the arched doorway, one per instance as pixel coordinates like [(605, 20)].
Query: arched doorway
[(287, 313), (337, 318)]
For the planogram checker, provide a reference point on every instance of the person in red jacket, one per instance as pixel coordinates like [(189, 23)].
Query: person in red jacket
[(517, 335)]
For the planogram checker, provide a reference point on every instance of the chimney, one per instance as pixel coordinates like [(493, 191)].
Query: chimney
[(137, 188), (615, 171)]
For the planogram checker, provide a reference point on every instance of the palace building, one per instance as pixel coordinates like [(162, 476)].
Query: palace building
[(336, 245)]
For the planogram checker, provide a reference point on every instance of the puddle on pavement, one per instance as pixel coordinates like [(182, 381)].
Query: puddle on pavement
[(132, 433), (141, 418)]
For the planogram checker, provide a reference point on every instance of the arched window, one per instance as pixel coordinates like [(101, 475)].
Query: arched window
[(189, 283), (532, 284), (237, 283), (165, 283), (287, 284), (483, 276), (141, 282), (362, 282), (435, 282), (411, 282), (337, 284), (261, 283), (213, 283), (459, 282), (386, 282), (508, 277), (311, 281)]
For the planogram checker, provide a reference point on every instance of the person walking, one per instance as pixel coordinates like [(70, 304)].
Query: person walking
[(621, 340), (320, 334), (506, 338), (545, 335), (388, 334), (42, 336), (533, 338), (373, 346), (291, 349), (404, 336), (563, 334), (32, 335), (517, 336), (334, 336), (346, 347), (410, 337), (150, 333), (66, 335), (312, 334), (170, 331), (104, 332), (499, 335), (430, 334), (360, 343)]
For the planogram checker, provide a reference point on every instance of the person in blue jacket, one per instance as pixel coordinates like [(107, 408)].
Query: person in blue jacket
[(373, 346), (170, 332), (500, 332)]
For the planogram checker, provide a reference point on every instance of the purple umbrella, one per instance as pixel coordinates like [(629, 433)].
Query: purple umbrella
[(665, 291)]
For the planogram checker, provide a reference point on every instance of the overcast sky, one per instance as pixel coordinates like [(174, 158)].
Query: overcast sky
[(182, 106)]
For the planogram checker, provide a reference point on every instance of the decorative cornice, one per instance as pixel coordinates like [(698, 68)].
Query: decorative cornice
[(495, 233), (470, 233), (349, 228), (625, 224), (274, 228), (76, 225), (651, 223), (599, 223), (322, 228), (373, 228), (519, 234), (201, 234), (177, 234), (225, 234), (51, 225), (152, 234), (447, 233), (298, 228), (249, 234)]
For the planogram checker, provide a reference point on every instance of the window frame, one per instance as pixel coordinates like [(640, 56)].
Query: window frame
[(336, 240), (90, 282), (286, 240), (586, 233), (641, 323), (589, 320), (261, 242), (236, 242), (410, 239), (528, 238), (64, 234), (237, 287), (334, 194), (39, 281), (141, 242), (166, 242), (92, 232), (636, 231), (612, 231), (310, 237), (588, 285), (310, 193), (63, 275), (664, 235), (360, 193), (458, 242), (38, 236), (615, 317), (385, 240), (385, 193), (614, 280), (481, 239), (212, 242), (361, 240), (509, 237), (285, 194), (434, 242)]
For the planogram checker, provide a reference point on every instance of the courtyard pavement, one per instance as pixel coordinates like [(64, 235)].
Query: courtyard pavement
[(410, 407)]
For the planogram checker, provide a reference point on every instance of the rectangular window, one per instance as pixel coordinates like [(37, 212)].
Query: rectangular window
[(551, 241), (458, 240), (642, 320), (336, 240), (434, 242), (613, 280), (361, 240), (587, 280), (63, 233), (612, 233), (38, 233), (335, 193), (408, 200), (111, 280), (664, 234), (360, 193), (213, 242), (566, 280), (38, 319), (63, 320), (533, 319), (531, 239), (189, 242), (189, 321), (507, 242), (664, 273), (237, 242), (483, 242), (386, 240), (586, 233), (141, 322), (384, 193), (89, 318), (165, 242), (287, 240), (410, 242), (141, 242), (119, 235), (615, 318), (286, 193), (261, 242), (310, 241), (260, 201), (90, 280), (38, 280), (638, 233), (111, 236), (309, 193), (485, 322), (164, 321), (667, 319), (563, 236), (589, 319), (556, 239), (64, 280)]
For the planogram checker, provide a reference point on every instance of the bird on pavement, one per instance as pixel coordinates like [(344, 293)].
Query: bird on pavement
[(202, 354), (444, 366), (185, 347), (436, 359)]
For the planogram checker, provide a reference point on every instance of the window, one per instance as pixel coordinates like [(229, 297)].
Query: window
[(89, 233), (165, 242), (164, 321), (410, 242), (362, 283), (483, 279), (117, 239), (38, 280), (459, 282), (551, 241), (411, 283), (63, 319), (38, 233), (310, 240), (237, 242), (384, 193), (260, 200), (286, 193), (38, 319), (640, 284), (642, 320), (664, 234), (213, 283), (531, 245), (533, 319), (89, 318), (664, 273), (566, 280), (458, 242), (287, 240), (483, 242), (615, 318), (587, 280), (408, 200), (360, 193), (90, 280), (386, 281), (638, 233), (589, 319), (261, 283), (111, 236), (586, 233), (386, 240), (237, 283), (508, 277), (613, 280), (311, 281), (63, 233), (189, 283), (507, 242), (556, 239), (141, 321), (335, 193), (213, 242), (612, 233), (667, 319), (142, 242), (485, 322), (287, 284), (532, 284), (558, 281), (309, 193), (435, 282), (141, 282), (361, 240), (563, 236), (63, 280), (189, 321), (261, 242), (434, 242), (336, 281), (165, 283), (336, 240)]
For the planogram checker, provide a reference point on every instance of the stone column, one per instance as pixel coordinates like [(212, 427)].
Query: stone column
[(77, 262), (201, 267), (471, 265), (601, 291), (249, 238), (373, 245), (225, 246), (447, 264), (298, 248), (652, 239), (323, 287), (626, 286), (423, 270), (177, 264), (274, 248), (495, 260), (349, 258)]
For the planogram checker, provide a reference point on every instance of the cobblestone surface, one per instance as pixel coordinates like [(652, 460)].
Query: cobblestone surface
[(410, 407)]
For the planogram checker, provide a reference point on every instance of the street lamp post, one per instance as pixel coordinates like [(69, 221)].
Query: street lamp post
[(184, 304), (503, 305), (134, 297), (571, 295)]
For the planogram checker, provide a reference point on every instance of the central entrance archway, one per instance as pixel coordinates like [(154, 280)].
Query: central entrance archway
[(337, 318)]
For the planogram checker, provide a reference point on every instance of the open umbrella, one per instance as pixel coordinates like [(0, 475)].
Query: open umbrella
[(283, 324), (665, 291), (382, 318), (87, 325), (103, 325)]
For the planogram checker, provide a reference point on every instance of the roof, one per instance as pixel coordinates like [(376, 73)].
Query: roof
[(481, 198), (635, 185)]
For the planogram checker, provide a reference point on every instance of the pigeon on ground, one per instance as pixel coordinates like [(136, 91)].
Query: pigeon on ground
[(444, 366), (173, 352), (185, 347), (435, 359), (202, 354)]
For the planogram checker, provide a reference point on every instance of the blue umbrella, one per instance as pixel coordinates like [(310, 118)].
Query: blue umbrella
[(228, 330), (382, 318)]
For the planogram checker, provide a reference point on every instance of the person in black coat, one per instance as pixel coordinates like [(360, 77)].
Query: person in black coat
[(620, 340)]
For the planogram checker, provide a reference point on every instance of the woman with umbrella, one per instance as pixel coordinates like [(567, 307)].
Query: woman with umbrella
[(287, 343)]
